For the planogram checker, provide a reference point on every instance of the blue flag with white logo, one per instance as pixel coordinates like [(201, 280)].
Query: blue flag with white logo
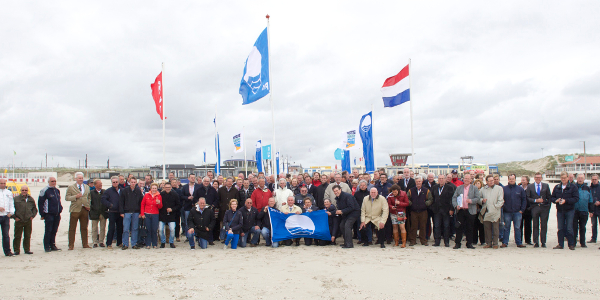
[(255, 81), (266, 152), (313, 225), (366, 134)]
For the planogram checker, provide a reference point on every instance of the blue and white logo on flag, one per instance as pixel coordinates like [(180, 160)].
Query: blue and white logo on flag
[(366, 134), (313, 225), (266, 152), (255, 81)]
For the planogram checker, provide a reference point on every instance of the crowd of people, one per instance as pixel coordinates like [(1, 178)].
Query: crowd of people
[(401, 210)]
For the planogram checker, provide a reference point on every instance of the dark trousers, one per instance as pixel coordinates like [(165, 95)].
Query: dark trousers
[(418, 221), (594, 221), (22, 228), (346, 227), (115, 225), (579, 221), (564, 222), (380, 233), (5, 224), (51, 223), (81, 217), (466, 226), (387, 229), (177, 224), (441, 224), (540, 215), (526, 226), (217, 229), (478, 231)]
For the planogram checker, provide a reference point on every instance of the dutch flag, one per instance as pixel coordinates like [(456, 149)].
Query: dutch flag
[(396, 89)]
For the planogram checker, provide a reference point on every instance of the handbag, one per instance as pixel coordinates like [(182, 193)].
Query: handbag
[(142, 231)]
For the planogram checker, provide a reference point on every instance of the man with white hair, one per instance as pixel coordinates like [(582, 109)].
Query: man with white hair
[(465, 200), (329, 194), (79, 196), (7, 209), (282, 193), (50, 208), (420, 199)]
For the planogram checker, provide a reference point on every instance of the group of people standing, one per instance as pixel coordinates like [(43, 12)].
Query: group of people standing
[(405, 209)]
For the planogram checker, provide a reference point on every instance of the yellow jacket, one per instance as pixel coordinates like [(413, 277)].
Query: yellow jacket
[(374, 210)]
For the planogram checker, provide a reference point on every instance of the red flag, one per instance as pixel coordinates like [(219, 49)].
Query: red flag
[(157, 94)]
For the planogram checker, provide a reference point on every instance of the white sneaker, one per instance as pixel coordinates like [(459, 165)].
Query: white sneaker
[(225, 247)]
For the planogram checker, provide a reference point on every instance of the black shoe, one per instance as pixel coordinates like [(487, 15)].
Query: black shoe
[(48, 250), (382, 246), (9, 254), (172, 245), (365, 244), (16, 253), (528, 243), (470, 247), (389, 242), (446, 245), (54, 248), (543, 245), (456, 247), (28, 252), (345, 247), (211, 243), (359, 242), (162, 245), (193, 247), (592, 241), (436, 244), (583, 246), (124, 248), (536, 245)]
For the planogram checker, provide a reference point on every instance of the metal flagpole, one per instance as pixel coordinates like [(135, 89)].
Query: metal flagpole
[(163, 119), (245, 157), (216, 153), (412, 141), (274, 146), (374, 153)]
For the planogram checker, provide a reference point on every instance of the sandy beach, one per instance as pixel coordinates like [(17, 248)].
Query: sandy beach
[(298, 272)]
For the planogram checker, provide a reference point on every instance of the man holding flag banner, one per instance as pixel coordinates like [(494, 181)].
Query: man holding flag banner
[(313, 225)]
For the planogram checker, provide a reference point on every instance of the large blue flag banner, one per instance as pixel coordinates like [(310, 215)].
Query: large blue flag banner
[(218, 150), (314, 225), (259, 156), (346, 162), (266, 152), (255, 81), (366, 134), (277, 158)]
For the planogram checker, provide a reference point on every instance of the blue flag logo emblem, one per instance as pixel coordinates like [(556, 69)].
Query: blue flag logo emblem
[(300, 225), (255, 80)]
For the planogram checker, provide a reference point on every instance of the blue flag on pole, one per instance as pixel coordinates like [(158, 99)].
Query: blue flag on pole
[(266, 152), (259, 156), (346, 162), (366, 134), (255, 81), (218, 151), (313, 225), (277, 158)]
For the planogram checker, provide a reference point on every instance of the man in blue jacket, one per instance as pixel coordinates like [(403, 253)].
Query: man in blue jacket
[(50, 208), (110, 199), (515, 203), (565, 195), (595, 209), (582, 209)]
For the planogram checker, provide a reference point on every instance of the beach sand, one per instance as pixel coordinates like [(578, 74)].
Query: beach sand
[(302, 272)]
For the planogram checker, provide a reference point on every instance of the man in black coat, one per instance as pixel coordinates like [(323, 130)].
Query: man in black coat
[(167, 215), (320, 194), (246, 191), (250, 228), (538, 196), (189, 198), (201, 221), (224, 194), (350, 212), (442, 207)]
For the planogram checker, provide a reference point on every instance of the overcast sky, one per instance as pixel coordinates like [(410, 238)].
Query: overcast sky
[(495, 80)]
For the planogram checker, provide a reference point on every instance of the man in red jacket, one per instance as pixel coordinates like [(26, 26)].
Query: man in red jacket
[(260, 196)]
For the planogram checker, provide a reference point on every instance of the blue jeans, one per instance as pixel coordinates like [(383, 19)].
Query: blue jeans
[(515, 218), (151, 223), (202, 242), (161, 229), (266, 233), (501, 226), (130, 223), (253, 233), (51, 223), (184, 216), (234, 240), (564, 220)]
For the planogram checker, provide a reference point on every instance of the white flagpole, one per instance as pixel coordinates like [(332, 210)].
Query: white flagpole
[(245, 157), (163, 111), (273, 147), (216, 148), (372, 137), (412, 141)]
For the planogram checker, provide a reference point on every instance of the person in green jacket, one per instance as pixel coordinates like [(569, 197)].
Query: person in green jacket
[(25, 211)]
